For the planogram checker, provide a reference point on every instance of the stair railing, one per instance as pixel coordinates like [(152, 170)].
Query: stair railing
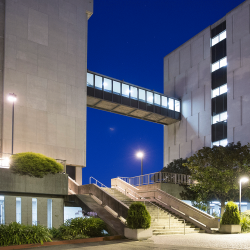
[(101, 185)]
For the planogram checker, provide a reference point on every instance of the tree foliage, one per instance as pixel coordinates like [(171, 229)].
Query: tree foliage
[(34, 164), (176, 166), (216, 172), (231, 215)]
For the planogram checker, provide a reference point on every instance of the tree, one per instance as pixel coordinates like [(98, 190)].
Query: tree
[(176, 166), (216, 172)]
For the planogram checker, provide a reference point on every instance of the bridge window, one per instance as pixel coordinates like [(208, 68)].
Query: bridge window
[(116, 87), (171, 103), (177, 106), (157, 100), (164, 102), (142, 95), (125, 90), (150, 98), (107, 85), (90, 81), (98, 82), (133, 92)]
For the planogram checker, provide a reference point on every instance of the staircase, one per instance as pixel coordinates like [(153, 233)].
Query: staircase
[(162, 221)]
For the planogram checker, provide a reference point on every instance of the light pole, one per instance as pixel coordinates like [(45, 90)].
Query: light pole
[(242, 180), (12, 98), (140, 155)]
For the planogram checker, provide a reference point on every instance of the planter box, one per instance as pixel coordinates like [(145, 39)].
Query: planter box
[(230, 229), (137, 234)]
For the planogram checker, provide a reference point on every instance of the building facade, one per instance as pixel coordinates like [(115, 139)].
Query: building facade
[(210, 74)]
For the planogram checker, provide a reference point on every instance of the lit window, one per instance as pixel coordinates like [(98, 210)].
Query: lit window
[(150, 98), (220, 117), (2, 217), (219, 91), (142, 95), (223, 143), (216, 119), (49, 213), (170, 104), (216, 143), (157, 100), (133, 92), (125, 90), (219, 64), (107, 85), (177, 106), (34, 211), (223, 116), (116, 87), (18, 210), (90, 81), (220, 37), (164, 102), (98, 82), (223, 89), (215, 92)]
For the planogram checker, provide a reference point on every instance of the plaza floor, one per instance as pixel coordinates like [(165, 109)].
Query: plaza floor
[(173, 242)]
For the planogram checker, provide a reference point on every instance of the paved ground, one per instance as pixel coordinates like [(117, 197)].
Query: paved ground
[(173, 242)]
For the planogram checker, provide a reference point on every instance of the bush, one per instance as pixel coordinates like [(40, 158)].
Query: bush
[(138, 216), (231, 215), (245, 223), (17, 234), (81, 228), (34, 164)]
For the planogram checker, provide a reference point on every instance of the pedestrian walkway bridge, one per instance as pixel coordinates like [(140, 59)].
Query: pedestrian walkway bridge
[(123, 98)]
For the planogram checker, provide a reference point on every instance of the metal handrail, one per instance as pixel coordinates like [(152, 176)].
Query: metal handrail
[(96, 181)]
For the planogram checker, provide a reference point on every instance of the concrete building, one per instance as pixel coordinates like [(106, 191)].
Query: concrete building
[(210, 73)]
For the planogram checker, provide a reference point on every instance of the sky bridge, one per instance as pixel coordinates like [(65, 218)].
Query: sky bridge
[(123, 98)]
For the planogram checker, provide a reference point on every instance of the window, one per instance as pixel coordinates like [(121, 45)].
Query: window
[(18, 210), (49, 213), (219, 91), (220, 117), (220, 143), (157, 100), (90, 81), (171, 104), (150, 98), (133, 92), (34, 211), (107, 85), (177, 106), (2, 216), (98, 82), (219, 64), (116, 87), (164, 102), (125, 90), (142, 96), (220, 37)]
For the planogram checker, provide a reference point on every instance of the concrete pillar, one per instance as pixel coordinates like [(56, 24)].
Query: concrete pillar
[(26, 211), (42, 211), (79, 175), (10, 209), (57, 212)]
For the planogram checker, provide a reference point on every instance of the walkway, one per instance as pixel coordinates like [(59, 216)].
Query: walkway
[(173, 242)]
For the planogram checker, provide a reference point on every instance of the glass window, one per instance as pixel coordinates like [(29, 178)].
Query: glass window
[(216, 143), (223, 116), (133, 92), (223, 142), (215, 66), (215, 40), (90, 81), (116, 87), (223, 62), (223, 89), (2, 216), (142, 95), (223, 35), (215, 92), (150, 98), (220, 37), (171, 104), (125, 90), (164, 101), (157, 100), (107, 85), (18, 210), (177, 106), (216, 118), (34, 211), (49, 213), (98, 82)]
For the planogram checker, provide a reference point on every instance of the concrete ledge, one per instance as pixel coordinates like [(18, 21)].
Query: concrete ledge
[(137, 234), (230, 229)]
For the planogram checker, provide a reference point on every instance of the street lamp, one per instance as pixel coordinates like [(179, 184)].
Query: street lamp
[(140, 155), (12, 98), (242, 180)]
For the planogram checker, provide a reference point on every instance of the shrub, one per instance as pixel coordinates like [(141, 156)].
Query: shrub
[(231, 214), (34, 164), (245, 223), (17, 234), (138, 216), (82, 228)]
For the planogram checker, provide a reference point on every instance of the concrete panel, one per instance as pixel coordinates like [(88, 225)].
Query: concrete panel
[(185, 59), (245, 51), (207, 140), (10, 209), (192, 78), (185, 149), (174, 152), (192, 127), (38, 27), (186, 105), (139, 113), (241, 133), (57, 212), (180, 131), (171, 134), (123, 109), (197, 51), (198, 100), (233, 56), (241, 82), (205, 124), (180, 85), (204, 72), (173, 65), (155, 117), (197, 144), (166, 70), (106, 105), (42, 211), (246, 109), (206, 41), (234, 113), (169, 88)]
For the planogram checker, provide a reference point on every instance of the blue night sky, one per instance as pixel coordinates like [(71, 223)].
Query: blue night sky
[(127, 40)]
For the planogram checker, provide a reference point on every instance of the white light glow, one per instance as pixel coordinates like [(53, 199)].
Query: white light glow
[(140, 154), (12, 97), (244, 179)]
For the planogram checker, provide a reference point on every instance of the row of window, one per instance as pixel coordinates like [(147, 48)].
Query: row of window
[(219, 91), (219, 38), (219, 64), (132, 92), (19, 211), (220, 143), (219, 118)]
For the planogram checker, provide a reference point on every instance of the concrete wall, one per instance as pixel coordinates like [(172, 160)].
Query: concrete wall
[(45, 66), (50, 184), (187, 76), (238, 73)]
